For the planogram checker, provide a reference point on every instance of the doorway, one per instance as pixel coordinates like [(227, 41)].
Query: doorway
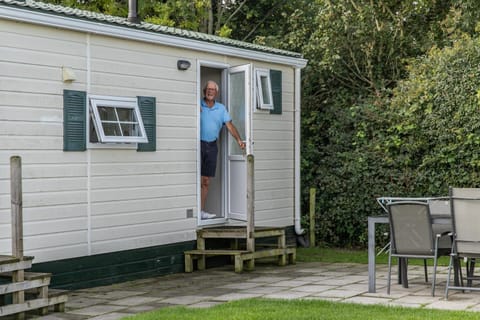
[(227, 191), (215, 202)]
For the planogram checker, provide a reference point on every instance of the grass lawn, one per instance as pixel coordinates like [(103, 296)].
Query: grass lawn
[(336, 255), (263, 309), (266, 309)]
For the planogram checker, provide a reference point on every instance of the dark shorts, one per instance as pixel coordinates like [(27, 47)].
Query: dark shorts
[(209, 152)]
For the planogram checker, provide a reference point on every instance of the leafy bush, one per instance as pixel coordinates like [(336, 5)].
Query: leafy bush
[(422, 140), (438, 119)]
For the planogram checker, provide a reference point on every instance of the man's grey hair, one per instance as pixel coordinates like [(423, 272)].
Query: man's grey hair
[(206, 85)]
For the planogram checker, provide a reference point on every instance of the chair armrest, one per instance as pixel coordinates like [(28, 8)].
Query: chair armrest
[(445, 233)]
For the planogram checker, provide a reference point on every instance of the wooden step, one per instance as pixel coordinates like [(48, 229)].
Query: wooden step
[(23, 307), (35, 292), (240, 232), (24, 285), (200, 256), (284, 256), (29, 275), (56, 298), (8, 259), (11, 263), (235, 234), (217, 252)]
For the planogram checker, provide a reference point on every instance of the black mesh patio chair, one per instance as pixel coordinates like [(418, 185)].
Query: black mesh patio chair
[(412, 237), (465, 206)]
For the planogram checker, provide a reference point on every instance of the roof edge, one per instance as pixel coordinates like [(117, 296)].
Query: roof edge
[(22, 11)]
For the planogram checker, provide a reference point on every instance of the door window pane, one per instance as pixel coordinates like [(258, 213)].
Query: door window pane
[(237, 109)]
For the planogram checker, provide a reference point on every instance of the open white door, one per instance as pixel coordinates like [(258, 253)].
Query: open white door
[(239, 106)]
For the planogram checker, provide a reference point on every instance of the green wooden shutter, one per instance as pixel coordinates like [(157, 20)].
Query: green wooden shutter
[(147, 106), (74, 120), (276, 79)]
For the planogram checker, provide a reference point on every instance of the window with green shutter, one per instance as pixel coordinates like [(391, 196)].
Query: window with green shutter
[(113, 122), (74, 120)]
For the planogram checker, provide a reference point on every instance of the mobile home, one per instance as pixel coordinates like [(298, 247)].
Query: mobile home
[(102, 205)]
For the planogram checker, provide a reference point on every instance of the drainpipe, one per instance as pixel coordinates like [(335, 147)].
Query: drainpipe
[(132, 12), (298, 227)]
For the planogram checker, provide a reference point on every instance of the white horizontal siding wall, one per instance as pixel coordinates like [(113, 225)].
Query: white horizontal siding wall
[(274, 137), (31, 125), (100, 200), (140, 199), (106, 200)]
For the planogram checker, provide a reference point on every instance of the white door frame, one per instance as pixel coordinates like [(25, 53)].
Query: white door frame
[(225, 68)]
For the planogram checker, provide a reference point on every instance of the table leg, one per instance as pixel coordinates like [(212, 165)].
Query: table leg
[(400, 274), (372, 221), (404, 271), (371, 255)]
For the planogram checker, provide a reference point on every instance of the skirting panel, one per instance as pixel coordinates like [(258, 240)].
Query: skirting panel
[(114, 267)]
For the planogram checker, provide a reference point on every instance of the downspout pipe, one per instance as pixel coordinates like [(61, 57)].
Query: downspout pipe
[(297, 99)]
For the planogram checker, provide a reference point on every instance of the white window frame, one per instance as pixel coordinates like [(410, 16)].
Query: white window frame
[(96, 101), (261, 101)]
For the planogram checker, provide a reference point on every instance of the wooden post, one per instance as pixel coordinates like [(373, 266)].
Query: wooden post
[(16, 201), (17, 226), (250, 203), (312, 216)]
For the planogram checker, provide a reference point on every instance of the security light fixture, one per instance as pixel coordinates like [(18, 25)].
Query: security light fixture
[(183, 65)]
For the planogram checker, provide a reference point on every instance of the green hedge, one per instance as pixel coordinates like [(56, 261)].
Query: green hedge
[(419, 140)]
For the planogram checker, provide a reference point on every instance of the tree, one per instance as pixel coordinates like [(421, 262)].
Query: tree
[(358, 51), (437, 124), (110, 7), (241, 19)]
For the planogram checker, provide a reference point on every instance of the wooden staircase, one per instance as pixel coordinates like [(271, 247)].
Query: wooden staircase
[(243, 259), (24, 291)]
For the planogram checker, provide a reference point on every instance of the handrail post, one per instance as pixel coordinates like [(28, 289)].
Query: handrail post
[(250, 203), (17, 205), (17, 226)]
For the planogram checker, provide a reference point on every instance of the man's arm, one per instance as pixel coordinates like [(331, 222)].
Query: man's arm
[(234, 132)]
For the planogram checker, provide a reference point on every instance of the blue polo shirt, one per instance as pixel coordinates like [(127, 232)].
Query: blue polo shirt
[(212, 120)]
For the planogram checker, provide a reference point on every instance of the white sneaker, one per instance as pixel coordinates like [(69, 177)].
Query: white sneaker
[(206, 215)]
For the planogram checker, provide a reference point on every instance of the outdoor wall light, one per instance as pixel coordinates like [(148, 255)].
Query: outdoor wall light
[(183, 65)]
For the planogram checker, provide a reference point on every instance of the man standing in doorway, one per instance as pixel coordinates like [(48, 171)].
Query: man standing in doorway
[(213, 115)]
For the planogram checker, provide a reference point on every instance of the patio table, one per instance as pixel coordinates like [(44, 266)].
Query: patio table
[(383, 219)]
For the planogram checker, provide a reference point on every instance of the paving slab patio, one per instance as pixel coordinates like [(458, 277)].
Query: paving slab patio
[(314, 281)]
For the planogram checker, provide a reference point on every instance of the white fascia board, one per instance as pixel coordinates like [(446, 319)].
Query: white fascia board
[(94, 27)]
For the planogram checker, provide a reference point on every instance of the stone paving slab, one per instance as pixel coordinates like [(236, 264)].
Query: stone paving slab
[(117, 294), (112, 316), (96, 310), (346, 282), (134, 301)]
